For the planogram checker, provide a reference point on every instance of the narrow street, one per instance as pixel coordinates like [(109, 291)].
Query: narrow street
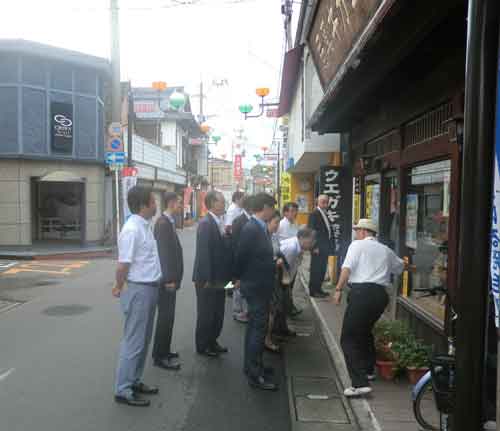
[(58, 350)]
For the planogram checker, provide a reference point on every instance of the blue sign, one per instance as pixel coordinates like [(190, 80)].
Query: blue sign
[(495, 220), (116, 143), (115, 158)]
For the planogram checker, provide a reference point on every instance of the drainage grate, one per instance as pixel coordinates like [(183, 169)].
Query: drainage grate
[(318, 399), (6, 305), (66, 310)]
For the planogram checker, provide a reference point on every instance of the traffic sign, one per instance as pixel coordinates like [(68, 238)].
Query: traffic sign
[(115, 130), (115, 145), (115, 158)]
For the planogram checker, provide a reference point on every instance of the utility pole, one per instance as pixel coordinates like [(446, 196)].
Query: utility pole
[(115, 97), (286, 10), (115, 63)]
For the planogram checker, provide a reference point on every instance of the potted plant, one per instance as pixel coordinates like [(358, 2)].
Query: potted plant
[(388, 333), (413, 356)]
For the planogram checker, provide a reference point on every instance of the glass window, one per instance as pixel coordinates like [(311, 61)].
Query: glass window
[(427, 219)]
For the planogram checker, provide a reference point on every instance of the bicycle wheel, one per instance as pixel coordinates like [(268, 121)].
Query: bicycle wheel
[(425, 410)]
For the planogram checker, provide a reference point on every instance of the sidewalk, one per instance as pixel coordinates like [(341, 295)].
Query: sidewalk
[(55, 250), (388, 408)]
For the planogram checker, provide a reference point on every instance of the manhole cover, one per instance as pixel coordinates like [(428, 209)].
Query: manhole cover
[(45, 283), (66, 310), (8, 305)]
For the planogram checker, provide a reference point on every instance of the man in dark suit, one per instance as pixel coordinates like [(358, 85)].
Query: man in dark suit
[(212, 271), (318, 221), (240, 308), (255, 268), (172, 268)]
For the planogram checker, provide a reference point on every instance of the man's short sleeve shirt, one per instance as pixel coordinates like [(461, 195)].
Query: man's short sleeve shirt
[(137, 247)]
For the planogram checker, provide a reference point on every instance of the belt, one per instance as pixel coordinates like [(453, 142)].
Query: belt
[(146, 283), (365, 285)]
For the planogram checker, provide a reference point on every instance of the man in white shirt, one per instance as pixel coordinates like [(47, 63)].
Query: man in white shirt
[(293, 247), (234, 210), (139, 267), (288, 228), (367, 267)]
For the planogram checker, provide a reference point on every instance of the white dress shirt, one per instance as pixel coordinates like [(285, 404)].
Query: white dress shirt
[(219, 221), (291, 249), (232, 212), (137, 246), (287, 229), (372, 262)]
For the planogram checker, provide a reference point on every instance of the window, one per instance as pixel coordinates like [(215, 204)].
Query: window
[(427, 221)]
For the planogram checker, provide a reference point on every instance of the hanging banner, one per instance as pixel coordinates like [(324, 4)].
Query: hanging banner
[(495, 222), (129, 180), (335, 184), (411, 220), (237, 167)]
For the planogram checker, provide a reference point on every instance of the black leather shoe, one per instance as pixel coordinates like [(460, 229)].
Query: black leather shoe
[(262, 383), (167, 364), (133, 400), (220, 349), (142, 388), (209, 352), (320, 295), (173, 355)]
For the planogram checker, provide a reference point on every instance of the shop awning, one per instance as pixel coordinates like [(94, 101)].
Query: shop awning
[(61, 177), (289, 78)]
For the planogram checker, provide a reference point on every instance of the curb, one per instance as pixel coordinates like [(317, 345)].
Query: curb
[(360, 406), (68, 255)]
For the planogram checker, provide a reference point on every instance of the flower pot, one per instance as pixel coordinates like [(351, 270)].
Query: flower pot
[(415, 374), (386, 369)]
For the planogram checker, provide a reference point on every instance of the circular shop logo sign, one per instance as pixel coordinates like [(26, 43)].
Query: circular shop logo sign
[(63, 120)]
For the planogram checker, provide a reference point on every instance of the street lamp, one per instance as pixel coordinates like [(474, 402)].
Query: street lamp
[(245, 109), (177, 100)]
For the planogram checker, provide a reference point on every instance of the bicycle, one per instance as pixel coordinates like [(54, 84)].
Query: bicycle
[(433, 395)]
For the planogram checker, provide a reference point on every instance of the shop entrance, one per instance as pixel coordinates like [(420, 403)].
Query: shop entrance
[(58, 209)]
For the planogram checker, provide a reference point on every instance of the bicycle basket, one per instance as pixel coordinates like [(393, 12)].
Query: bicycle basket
[(443, 382)]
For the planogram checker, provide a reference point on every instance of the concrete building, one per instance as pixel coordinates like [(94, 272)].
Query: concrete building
[(52, 125)]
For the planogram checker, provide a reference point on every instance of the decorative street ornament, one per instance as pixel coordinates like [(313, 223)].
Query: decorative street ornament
[(262, 92), (177, 100), (245, 108), (216, 138), (205, 128), (159, 85)]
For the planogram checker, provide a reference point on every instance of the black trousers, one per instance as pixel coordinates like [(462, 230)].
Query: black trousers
[(210, 303), (319, 263), (365, 304), (164, 323)]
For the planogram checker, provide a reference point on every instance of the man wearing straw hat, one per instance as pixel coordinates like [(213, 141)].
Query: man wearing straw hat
[(367, 267)]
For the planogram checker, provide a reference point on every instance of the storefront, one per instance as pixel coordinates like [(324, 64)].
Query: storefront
[(52, 173)]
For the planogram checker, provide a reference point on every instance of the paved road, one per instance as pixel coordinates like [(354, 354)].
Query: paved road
[(58, 354)]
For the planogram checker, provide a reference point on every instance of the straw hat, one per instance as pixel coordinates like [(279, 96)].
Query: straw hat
[(367, 224)]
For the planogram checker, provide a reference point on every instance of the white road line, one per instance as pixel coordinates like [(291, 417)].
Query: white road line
[(5, 374)]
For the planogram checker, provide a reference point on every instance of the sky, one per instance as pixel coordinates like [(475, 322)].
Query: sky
[(181, 42)]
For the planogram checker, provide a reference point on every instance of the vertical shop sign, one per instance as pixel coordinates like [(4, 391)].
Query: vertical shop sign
[(495, 222), (61, 125), (238, 168), (368, 201), (333, 185), (129, 180), (285, 187), (356, 200), (411, 220)]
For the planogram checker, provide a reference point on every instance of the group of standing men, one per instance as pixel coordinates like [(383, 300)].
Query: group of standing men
[(253, 249)]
